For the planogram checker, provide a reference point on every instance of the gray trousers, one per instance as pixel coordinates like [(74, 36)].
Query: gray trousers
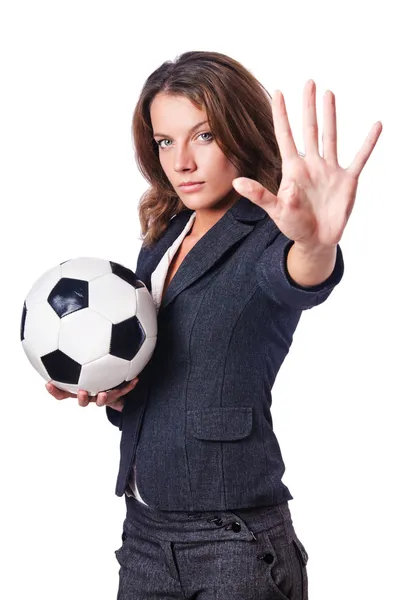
[(248, 554)]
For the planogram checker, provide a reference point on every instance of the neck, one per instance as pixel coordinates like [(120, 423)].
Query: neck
[(207, 217)]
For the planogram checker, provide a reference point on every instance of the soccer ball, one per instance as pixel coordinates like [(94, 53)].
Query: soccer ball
[(89, 324)]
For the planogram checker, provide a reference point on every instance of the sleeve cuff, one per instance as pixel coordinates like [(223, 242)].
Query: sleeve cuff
[(276, 281), (115, 417)]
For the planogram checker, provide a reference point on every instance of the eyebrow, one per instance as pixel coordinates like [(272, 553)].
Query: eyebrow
[(190, 130)]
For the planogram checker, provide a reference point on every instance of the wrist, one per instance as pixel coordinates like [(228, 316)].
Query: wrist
[(314, 250)]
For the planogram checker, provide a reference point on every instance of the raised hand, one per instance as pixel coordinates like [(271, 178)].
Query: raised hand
[(316, 195)]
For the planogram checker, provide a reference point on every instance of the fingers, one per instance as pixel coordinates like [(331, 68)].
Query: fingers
[(330, 133), (130, 386), (104, 398), (57, 393), (83, 398), (282, 128), (310, 125), (363, 155)]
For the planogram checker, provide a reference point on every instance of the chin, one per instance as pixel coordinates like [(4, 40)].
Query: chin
[(197, 201)]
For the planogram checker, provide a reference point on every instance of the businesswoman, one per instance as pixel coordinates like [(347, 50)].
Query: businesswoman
[(241, 234)]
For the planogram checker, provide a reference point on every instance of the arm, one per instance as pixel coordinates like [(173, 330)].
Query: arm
[(310, 266), (274, 277)]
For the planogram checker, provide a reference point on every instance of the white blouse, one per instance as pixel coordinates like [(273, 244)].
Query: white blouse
[(157, 281)]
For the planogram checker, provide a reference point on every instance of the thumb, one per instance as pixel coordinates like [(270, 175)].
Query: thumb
[(255, 191)]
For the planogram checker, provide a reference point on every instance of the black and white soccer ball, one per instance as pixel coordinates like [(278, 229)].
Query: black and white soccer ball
[(89, 324)]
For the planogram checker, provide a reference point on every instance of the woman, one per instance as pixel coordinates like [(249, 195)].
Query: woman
[(241, 234)]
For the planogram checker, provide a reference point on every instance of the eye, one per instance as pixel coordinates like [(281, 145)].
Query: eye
[(207, 133), (159, 142), (166, 140)]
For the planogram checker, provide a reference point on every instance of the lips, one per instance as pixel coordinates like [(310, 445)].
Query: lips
[(192, 183), (191, 188)]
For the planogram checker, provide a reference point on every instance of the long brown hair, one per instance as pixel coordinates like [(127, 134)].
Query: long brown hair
[(240, 116)]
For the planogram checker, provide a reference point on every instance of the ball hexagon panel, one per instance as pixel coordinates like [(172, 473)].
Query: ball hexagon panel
[(43, 286), (35, 361), (61, 367), (102, 374), (104, 290), (138, 363), (126, 274), (127, 338), (146, 311), (85, 268), (96, 339), (42, 329), (68, 295)]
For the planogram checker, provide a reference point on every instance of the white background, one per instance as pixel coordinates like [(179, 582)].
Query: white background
[(71, 74)]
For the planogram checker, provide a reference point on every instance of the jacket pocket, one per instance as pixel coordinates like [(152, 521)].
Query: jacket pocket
[(303, 559), (220, 424), (301, 550)]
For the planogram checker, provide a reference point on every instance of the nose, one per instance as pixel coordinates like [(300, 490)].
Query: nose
[(183, 159)]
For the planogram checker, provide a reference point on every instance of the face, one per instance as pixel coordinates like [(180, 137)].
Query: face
[(188, 152)]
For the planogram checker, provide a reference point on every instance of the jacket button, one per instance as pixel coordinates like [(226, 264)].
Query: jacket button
[(268, 558), (236, 527)]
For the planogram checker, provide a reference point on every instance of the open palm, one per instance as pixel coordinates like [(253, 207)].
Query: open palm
[(316, 195)]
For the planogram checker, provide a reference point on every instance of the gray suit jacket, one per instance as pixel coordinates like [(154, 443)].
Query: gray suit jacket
[(198, 422)]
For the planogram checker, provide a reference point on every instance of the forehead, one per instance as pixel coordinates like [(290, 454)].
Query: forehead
[(176, 113)]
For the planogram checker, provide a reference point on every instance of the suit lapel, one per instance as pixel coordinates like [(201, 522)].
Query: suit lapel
[(151, 256), (232, 227)]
